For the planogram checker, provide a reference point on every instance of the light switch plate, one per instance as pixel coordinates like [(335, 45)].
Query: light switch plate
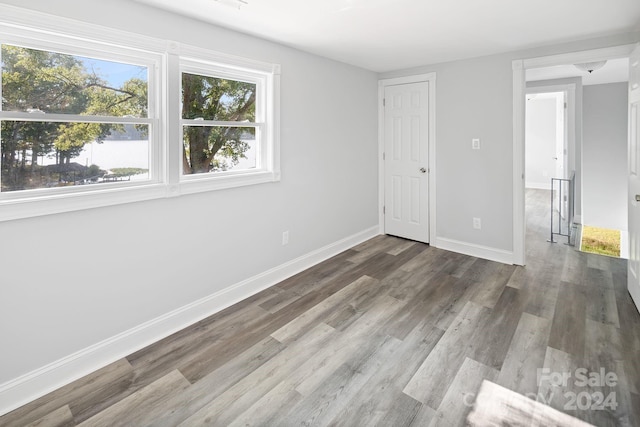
[(475, 143)]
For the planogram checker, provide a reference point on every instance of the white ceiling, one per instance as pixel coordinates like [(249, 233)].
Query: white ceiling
[(614, 71), (384, 35)]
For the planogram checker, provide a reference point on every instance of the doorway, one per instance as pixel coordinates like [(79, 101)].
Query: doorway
[(549, 158), (521, 71), (406, 161)]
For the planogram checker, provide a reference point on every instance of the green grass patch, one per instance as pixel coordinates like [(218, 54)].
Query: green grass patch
[(601, 241), (128, 171)]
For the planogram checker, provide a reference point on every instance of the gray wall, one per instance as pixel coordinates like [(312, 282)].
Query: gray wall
[(474, 99), (57, 298), (604, 155)]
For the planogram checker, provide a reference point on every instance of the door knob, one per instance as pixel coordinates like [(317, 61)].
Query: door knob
[(637, 197), (423, 170)]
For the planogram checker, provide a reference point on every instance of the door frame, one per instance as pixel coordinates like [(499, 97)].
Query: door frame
[(519, 68), (429, 78)]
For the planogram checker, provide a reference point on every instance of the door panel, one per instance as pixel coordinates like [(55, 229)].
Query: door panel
[(633, 276), (406, 138)]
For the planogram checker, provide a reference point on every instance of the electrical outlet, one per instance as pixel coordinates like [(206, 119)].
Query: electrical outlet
[(285, 237), (477, 224)]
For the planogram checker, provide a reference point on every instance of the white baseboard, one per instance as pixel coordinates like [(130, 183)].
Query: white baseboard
[(478, 251), (35, 384)]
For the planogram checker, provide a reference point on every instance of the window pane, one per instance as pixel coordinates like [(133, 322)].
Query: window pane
[(212, 98), (38, 81), (44, 155), (217, 149)]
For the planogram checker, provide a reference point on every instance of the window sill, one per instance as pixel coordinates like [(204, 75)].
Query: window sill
[(196, 184), (12, 209)]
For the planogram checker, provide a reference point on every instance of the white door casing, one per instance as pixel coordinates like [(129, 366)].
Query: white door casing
[(406, 160), (633, 276), (561, 136), (561, 152)]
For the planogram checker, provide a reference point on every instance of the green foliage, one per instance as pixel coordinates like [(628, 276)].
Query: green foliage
[(209, 98), (129, 100), (122, 172), (72, 137), (45, 81), (94, 171)]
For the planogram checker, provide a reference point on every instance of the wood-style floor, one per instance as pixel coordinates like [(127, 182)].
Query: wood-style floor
[(392, 333)]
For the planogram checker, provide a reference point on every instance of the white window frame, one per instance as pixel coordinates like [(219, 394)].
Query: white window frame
[(60, 44), (266, 77), (165, 61)]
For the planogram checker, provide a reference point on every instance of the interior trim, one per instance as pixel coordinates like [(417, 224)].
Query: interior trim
[(478, 251)]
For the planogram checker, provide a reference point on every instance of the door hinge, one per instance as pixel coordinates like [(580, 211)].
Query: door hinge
[(565, 105), (384, 157), (384, 210), (384, 102)]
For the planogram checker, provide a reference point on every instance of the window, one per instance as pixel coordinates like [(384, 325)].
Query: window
[(89, 121), (228, 121), (219, 124), (70, 120)]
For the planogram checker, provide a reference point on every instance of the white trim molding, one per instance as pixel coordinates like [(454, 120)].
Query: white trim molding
[(478, 251), (430, 78), (35, 384), (518, 163), (579, 57)]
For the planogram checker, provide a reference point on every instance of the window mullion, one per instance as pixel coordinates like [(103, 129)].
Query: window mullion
[(173, 129), (192, 122), (71, 118)]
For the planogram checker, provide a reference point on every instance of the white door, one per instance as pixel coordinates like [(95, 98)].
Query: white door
[(406, 161), (633, 276)]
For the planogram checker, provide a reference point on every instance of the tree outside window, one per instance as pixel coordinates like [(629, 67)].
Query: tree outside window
[(42, 152), (216, 135)]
